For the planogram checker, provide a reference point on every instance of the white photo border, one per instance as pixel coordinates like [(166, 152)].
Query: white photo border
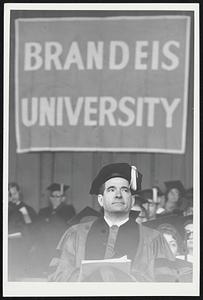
[(11, 289)]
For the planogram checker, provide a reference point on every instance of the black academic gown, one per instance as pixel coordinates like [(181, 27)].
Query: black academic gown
[(126, 242), (16, 221), (19, 240), (63, 211)]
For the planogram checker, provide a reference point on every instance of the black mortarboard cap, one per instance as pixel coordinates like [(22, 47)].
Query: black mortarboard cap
[(148, 194), (139, 199), (177, 184), (86, 212), (58, 187), (122, 170)]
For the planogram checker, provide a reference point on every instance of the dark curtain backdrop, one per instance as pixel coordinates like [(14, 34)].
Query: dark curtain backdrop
[(34, 171)]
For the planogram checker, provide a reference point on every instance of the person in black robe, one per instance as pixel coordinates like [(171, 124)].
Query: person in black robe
[(51, 224), (19, 213), (21, 219)]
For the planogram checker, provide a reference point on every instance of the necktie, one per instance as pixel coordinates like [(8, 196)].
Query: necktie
[(113, 231)]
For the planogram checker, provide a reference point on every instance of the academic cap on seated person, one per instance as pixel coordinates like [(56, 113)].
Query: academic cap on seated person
[(149, 195), (122, 170), (139, 199), (58, 187), (177, 184)]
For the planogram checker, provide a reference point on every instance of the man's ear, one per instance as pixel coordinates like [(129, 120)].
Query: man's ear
[(100, 199), (133, 201)]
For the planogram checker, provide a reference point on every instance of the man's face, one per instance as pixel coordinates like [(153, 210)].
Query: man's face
[(56, 198), (173, 195), (117, 196), (150, 208), (14, 195)]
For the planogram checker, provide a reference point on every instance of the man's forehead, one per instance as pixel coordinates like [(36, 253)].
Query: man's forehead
[(174, 189), (117, 181)]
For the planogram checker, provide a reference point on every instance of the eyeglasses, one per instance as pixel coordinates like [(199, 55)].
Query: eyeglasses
[(56, 196)]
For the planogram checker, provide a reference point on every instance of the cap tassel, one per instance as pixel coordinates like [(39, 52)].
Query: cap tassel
[(134, 174), (62, 188), (155, 194)]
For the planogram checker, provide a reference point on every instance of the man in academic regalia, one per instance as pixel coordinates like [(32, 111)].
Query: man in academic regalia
[(19, 213), (57, 204), (51, 224), (21, 218), (114, 235)]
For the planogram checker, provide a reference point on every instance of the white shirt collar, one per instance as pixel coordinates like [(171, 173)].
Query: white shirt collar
[(119, 223)]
